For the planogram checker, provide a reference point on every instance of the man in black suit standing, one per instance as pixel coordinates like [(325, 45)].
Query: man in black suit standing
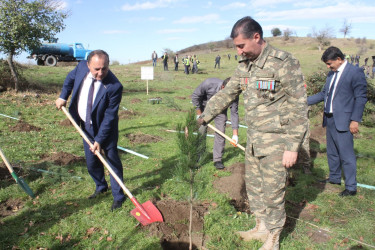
[(344, 96), (94, 106)]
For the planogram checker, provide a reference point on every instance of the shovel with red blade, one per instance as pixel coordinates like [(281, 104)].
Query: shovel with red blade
[(145, 213)]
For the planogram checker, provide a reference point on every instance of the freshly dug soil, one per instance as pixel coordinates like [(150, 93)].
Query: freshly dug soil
[(174, 231)]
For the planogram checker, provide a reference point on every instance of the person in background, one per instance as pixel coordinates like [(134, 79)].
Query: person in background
[(201, 95), (186, 62), (154, 58), (195, 62), (176, 62), (165, 61), (217, 61)]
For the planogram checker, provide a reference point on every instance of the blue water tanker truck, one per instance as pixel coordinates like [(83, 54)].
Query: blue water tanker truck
[(50, 53)]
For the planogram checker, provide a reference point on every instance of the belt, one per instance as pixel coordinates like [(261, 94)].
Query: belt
[(328, 115)]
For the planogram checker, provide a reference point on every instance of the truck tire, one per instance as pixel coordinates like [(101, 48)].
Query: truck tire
[(40, 62), (50, 61)]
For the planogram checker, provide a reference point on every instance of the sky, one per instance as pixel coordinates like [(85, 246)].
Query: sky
[(131, 30)]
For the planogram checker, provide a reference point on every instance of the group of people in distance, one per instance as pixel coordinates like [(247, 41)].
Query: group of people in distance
[(190, 62), (276, 114)]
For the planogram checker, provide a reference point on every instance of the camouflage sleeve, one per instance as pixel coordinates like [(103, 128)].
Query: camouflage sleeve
[(291, 78), (222, 99)]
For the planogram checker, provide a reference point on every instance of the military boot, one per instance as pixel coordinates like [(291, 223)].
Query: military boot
[(272, 242), (259, 232)]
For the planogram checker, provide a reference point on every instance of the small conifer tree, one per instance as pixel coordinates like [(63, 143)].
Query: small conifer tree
[(192, 145)]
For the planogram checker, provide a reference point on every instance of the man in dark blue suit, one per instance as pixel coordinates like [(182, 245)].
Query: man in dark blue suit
[(94, 106), (344, 96)]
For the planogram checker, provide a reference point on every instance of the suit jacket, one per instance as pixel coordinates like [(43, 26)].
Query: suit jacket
[(349, 98), (104, 115)]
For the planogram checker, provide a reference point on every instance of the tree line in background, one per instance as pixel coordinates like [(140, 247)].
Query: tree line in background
[(322, 36)]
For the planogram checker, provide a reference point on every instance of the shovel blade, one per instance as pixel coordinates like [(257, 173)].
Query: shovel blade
[(23, 185), (146, 213)]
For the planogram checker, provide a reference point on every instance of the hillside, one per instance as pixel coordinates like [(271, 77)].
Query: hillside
[(303, 48)]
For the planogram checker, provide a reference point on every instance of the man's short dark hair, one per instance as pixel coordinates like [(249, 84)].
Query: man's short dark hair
[(332, 53), (100, 53), (225, 82), (247, 27)]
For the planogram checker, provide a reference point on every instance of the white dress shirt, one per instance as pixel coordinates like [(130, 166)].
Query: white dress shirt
[(83, 95), (339, 73)]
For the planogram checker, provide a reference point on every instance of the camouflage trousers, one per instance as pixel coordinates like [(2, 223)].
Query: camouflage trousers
[(265, 180)]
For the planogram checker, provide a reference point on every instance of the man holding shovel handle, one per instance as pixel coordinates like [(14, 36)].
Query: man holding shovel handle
[(96, 96)]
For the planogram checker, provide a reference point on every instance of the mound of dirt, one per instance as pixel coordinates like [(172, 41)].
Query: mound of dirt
[(234, 187), (10, 207), (126, 114), (180, 97), (318, 133), (23, 127), (4, 172), (62, 158), (135, 100), (65, 123), (18, 170), (174, 232), (142, 138)]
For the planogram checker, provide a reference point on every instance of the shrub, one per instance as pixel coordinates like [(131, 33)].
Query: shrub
[(369, 112), (362, 50), (6, 80), (115, 62), (276, 32), (314, 84)]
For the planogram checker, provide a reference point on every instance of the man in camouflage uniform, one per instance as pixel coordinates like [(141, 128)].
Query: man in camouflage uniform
[(276, 115)]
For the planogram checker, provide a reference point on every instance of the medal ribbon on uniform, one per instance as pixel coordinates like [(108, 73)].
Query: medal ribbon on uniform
[(265, 85)]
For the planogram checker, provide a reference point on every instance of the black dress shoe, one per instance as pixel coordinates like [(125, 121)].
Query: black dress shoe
[(116, 205), (347, 193), (328, 181), (94, 195), (219, 165)]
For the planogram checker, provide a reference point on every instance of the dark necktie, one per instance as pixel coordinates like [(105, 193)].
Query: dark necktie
[(89, 103), (330, 94)]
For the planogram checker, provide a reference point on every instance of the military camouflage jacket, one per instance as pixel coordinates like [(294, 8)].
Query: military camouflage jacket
[(274, 98)]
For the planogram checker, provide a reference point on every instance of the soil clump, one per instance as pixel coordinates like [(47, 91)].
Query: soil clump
[(142, 138), (63, 158), (10, 207), (22, 126)]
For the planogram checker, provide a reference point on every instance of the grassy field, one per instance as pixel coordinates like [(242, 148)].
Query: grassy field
[(61, 216)]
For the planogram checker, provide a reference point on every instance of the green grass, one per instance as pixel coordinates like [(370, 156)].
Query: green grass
[(62, 216)]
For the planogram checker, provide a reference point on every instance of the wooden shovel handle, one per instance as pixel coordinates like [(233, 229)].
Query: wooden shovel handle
[(226, 137), (97, 153), (10, 168)]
